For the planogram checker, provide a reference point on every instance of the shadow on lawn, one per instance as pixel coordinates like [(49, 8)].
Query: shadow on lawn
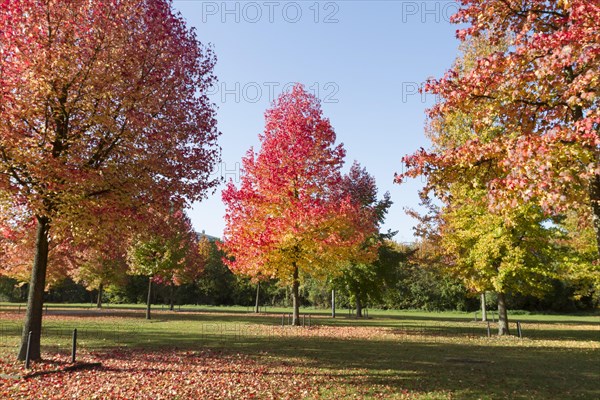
[(470, 371), (474, 371), (115, 327)]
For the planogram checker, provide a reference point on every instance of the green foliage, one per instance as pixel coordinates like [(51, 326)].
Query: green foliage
[(580, 261), (134, 290), (426, 288), (513, 252), (67, 291), (316, 293), (216, 284), (151, 257), (9, 289), (367, 282)]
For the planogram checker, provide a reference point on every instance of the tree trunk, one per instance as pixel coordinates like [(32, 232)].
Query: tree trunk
[(483, 308), (100, 292), (149, 301), (172, 298), (502, 316), (35, 298), (257, 304), (332, 303), (359, 313), (295, 299)]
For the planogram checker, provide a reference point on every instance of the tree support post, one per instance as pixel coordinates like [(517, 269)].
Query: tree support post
[(27, 359), (483, 308), (74, 347), (149, 300)]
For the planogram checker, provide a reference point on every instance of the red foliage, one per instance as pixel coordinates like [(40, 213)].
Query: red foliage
[(102, 110), (542, 93), (290, 208)]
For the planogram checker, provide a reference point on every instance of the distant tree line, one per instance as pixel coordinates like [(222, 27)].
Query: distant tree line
[(401, 282)]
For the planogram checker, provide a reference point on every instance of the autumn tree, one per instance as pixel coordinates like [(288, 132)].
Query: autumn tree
[(17, 242), (101, 261), (103, 110), (514, 252), (289, 218), (150, 258), (167, 254), (543, 91), (515, 138)]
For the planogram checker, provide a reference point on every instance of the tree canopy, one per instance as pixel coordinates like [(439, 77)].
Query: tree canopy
[(103, 112), (290, 217)]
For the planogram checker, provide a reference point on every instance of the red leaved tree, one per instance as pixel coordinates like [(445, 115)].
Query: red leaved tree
[(289, 218), (18, 250), (101, 259), (542, 91), (103, 110)]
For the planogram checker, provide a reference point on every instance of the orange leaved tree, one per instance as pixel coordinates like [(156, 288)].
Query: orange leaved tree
[(290, 217), (103, 110)]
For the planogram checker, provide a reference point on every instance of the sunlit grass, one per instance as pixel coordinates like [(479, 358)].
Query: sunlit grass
[(393, 354)]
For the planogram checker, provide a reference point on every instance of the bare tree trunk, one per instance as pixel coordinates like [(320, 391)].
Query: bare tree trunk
[(295, 299), (257, 304), (100, 292), (149, 300), (35, 298), (502, 316), (359, 312), (483, 308), (172, 298), (333, 303)]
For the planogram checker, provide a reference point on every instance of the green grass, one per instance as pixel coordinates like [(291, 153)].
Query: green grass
[(584, 316), (428, 355)]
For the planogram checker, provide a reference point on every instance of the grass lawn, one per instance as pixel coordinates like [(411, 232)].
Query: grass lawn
[(225, 352)]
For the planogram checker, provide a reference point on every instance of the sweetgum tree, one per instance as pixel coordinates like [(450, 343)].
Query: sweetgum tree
[(508, 250), (102, 261), (542, 90), (290, 217), (103, 110)]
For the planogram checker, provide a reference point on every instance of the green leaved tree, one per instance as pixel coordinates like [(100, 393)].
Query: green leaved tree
[(513, 249)]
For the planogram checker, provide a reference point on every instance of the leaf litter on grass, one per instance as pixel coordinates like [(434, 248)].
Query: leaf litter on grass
[(178, 374)]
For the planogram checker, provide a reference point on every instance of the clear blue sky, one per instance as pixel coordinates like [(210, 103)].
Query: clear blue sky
[(364, 58)]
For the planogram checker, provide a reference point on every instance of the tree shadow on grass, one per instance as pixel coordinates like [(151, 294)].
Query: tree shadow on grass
[(468, 368), (472, 371), (475, 371)]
